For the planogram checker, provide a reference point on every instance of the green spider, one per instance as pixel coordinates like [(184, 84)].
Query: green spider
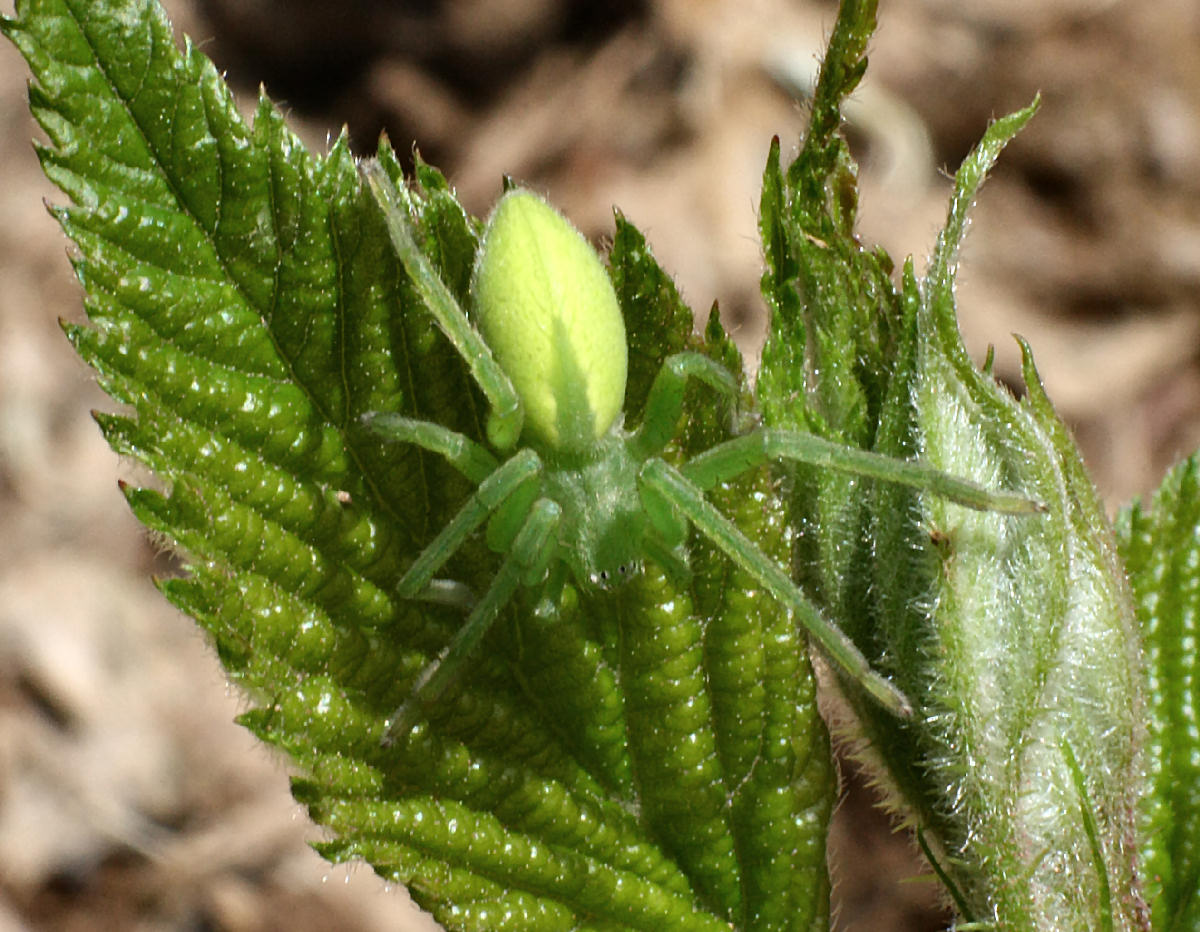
[(578, 494)]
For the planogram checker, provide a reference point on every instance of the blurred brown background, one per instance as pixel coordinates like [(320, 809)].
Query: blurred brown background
[(128, 799)]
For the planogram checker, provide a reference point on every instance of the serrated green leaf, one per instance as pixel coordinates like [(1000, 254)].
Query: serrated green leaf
[(630, 763), (1161, 548), (656, 318)]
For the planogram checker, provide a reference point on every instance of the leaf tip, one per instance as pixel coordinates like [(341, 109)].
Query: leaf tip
[(1029, 371)]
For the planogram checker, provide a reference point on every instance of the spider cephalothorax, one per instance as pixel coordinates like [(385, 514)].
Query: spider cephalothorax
[(577, 493)]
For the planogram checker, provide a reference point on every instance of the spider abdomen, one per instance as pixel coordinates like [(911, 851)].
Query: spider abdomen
[(548, 311)]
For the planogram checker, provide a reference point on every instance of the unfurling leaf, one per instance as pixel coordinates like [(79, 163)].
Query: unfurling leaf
[(1013, 635)]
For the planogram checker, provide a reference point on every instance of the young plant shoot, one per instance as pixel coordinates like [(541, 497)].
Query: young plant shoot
[(568, 490)]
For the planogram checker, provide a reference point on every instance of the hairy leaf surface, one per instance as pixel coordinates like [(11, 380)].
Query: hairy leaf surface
[(1160, 541), (1014, 636)]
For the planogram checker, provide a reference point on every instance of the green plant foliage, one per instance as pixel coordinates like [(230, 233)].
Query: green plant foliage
[(646, 760), (1161, 546), (649, 758), (1015, 637)]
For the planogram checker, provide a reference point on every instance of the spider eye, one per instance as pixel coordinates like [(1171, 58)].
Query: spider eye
[(606, 579)]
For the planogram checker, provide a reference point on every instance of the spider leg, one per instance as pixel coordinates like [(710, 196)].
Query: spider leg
[(464, 454), (763, 446), (507, 414), (664, 482), (664, 404), (496, 486), (492, 493), (460, 451), (533, 549)]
